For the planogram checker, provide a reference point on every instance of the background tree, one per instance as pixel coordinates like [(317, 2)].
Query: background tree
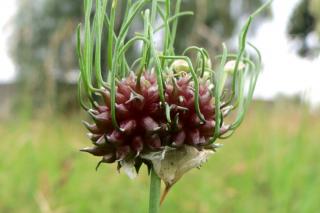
[(315, 11), (305, 22), (43, 47)]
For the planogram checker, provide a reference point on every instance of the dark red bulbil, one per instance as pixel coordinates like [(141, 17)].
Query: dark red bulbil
[(142, 119)]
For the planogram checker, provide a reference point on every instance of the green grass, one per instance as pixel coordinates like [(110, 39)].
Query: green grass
[(271, 164)]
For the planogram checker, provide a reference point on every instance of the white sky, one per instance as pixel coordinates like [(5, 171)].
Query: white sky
[(284, 72), (7, 11)]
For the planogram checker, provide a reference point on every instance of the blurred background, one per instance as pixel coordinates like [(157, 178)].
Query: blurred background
[(271, 164)]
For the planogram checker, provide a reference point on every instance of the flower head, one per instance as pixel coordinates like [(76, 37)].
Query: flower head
[(167, 112)]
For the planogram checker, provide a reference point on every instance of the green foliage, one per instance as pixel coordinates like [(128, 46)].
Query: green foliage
[(36, 26), (302, 23), (305, 20), (314, 10), (42, 47), (270, 165)]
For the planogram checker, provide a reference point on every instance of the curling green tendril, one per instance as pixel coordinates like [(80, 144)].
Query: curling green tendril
[(94, 78)]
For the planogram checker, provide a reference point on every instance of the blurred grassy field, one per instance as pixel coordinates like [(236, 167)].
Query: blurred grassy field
[(272, 164)]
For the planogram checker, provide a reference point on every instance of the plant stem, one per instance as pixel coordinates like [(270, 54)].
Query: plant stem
[(154, 197)]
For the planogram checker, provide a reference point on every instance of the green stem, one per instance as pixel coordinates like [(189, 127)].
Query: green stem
[(154, 198)]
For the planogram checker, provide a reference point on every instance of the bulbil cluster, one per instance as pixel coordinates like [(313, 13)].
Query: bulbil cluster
[(145, 124)]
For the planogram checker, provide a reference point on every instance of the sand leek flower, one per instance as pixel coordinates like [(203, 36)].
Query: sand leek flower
[(165, 110)]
